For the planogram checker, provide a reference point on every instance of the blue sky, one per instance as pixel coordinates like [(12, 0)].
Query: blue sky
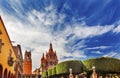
[(78, 29)]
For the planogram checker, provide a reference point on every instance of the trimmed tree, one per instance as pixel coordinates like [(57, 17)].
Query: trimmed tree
[(103, 64), (54, 71), (63, 68), (49, 72), (44, 74)]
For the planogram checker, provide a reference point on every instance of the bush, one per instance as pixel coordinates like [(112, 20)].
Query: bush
[(44, 74)]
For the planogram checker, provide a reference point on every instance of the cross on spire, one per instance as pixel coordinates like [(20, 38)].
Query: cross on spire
[(50, 45)]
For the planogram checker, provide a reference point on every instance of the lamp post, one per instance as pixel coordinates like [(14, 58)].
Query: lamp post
[(70, 70), (93, 67), (94, 75), (71, 75)]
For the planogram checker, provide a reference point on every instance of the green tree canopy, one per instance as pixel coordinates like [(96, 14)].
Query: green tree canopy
[(103, 64)]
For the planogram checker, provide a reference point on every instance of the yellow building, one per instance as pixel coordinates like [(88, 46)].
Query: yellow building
[(7, 54)]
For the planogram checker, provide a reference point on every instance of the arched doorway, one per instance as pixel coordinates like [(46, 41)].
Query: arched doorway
[(9, 74), (5, 74), (14, 76), (1, 70)]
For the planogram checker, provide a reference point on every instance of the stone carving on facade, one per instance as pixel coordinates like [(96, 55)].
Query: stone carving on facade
[(10, 59)]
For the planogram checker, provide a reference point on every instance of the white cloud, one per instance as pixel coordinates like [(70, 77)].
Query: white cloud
[(117, 29), (47, 18), (110, 54), (79, 54), (97, 52), (117, 55), (99, 47), (73, 55), (17, 6), (85, 31)]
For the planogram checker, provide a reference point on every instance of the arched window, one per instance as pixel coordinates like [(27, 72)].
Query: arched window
[(1, 70), (9, 74), (5, 73)]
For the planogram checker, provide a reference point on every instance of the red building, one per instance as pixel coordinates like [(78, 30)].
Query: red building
[(27, 63), (27, 66), (49, 60)]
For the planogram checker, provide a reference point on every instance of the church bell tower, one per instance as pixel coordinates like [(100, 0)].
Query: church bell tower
[(27, 63)]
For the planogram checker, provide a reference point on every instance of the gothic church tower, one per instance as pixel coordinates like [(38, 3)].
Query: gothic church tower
[(50, 60)]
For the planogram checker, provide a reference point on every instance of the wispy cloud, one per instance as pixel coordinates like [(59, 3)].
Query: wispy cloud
[(74, 55), (117, 29), (86, 31), (97, 52), (110, 54), (99, 47)]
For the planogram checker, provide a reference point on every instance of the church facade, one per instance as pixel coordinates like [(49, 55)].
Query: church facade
[(49, 60)]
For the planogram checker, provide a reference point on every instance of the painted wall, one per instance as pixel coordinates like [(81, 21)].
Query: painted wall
[(6, 49)]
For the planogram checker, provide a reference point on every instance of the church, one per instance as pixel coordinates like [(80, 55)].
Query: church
[(49, 60)]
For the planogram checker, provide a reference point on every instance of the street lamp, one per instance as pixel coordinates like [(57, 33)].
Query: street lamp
[(70, 70), (93, 67), (94, 75), (71, 75)]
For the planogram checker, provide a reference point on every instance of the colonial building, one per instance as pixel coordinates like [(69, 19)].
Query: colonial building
[(7, 54), (49, 60), (18, 54)]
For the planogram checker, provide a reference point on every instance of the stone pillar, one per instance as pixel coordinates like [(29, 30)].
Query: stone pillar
[(71, 75)]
